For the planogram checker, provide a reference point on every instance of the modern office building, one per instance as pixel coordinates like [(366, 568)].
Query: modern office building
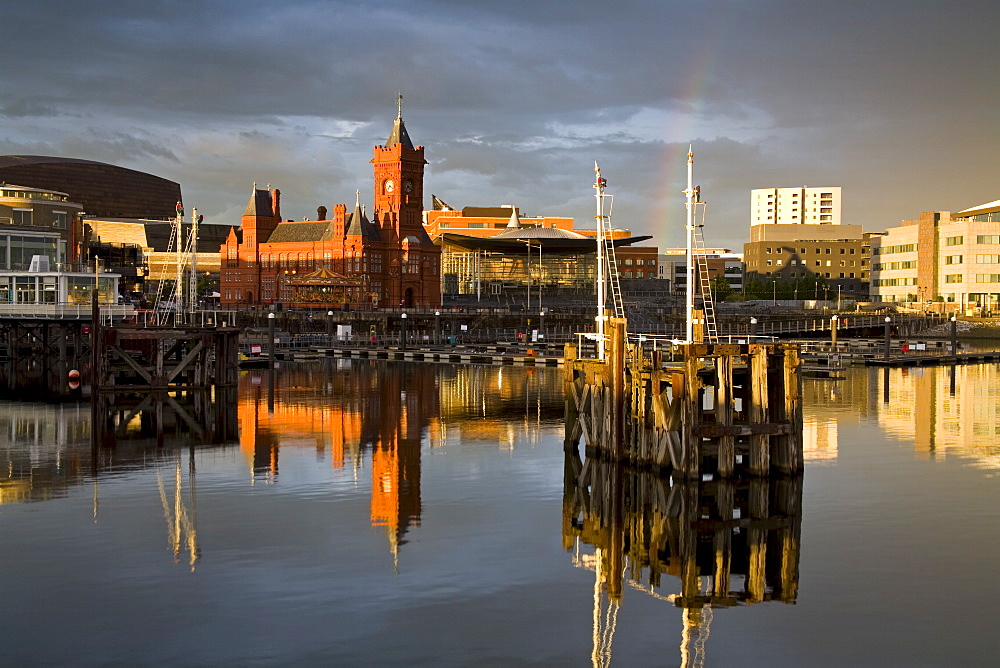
[(795, 206), (101, 189), (941, 257), (838, 253), (495, 252)]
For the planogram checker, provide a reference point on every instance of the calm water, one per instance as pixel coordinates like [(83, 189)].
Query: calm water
[(388, 513)]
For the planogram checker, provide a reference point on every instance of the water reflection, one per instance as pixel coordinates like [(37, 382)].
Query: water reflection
[(941, 410), (723, 543), (354, 414)]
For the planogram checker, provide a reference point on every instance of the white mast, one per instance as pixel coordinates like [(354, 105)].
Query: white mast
[(179, 273), (193, 285), (599, 185), (689, 306)]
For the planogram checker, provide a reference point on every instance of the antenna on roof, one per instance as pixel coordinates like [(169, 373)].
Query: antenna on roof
[(399, 105)]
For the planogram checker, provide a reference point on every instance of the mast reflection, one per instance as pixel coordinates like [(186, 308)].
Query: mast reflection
[(727, 543)]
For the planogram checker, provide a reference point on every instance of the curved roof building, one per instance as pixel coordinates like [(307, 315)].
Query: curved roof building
[(104, 190)]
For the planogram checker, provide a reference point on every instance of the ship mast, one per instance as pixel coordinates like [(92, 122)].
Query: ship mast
[(689, 263), (599, 185)]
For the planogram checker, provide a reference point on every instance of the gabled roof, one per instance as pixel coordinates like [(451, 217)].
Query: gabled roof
[(259, 204), (359, 225), (300, 231)]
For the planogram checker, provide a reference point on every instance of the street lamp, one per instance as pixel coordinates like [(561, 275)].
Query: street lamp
[(834, 322), (753, 327), (329, 327), (887, 321), (270, 336), (954, 335), (402, 331), (437, 328)]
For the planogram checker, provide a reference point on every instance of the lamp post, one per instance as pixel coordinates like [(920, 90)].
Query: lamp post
[(954, 335), (402, 331), (834, 323), (270, 336), (887, 321), (329, 327), (753, 329), (437, 328), (527, 274)]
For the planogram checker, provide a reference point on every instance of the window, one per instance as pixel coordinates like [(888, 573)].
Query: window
[(827, 251), (953, 278), (953, 259), (21, 216), (988, 239), (954, 241), (778, 263), (843, 251), (768, 251), (987, 278), (900, 248), (628, 262), (769, 263), (988, 259), (59, 219), (826, 218)]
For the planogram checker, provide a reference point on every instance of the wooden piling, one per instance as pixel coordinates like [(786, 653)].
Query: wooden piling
[(653, 412)]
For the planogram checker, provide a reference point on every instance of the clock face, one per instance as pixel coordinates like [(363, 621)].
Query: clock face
[(389, 186), (408, 186)]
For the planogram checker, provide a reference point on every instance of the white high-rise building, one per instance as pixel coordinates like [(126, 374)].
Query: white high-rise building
[(795, 206)]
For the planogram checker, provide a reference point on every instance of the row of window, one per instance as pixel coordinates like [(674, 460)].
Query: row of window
[(980, 239), (25, 218), (883, 266), (891, 282), (802, 251), (822, 217), (980, 278), (899, 248), (821, 210), (29, 194), (821, 195), (816, 263), (768, 274)]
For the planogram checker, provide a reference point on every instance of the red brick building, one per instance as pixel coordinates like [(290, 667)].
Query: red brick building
[(347, 260)]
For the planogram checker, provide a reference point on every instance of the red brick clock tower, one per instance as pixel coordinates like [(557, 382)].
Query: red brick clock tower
[(398, 169)]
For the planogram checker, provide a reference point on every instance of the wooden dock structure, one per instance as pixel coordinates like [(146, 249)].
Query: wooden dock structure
[(721, 409)]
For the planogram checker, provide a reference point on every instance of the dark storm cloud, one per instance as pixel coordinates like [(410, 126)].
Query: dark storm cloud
[(515, 100)]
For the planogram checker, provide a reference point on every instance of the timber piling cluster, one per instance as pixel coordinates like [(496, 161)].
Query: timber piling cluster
[(721, 409)]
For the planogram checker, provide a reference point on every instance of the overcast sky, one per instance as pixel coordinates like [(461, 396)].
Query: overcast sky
[(897, 102)]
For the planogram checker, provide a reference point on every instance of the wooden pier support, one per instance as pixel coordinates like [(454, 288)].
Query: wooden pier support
[(753, 529), (722, 409)]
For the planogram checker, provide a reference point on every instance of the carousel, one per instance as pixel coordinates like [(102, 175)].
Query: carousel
[(326, 289)]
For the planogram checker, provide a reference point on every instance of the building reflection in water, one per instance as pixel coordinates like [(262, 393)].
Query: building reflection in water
[(356, 409), (722, 543)]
